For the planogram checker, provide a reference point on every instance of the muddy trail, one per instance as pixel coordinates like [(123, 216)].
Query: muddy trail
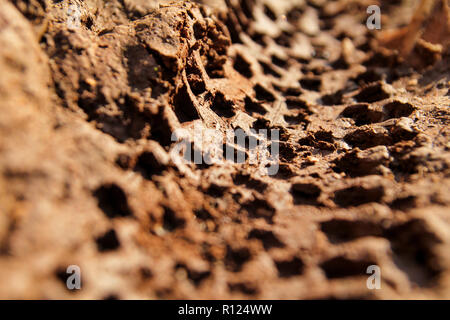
[(91, 93)]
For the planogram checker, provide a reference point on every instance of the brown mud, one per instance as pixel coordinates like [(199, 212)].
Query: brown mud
[(86, 117)]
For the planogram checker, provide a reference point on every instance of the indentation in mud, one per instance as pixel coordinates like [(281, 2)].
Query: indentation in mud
[(142, 67), (284, 39), (90, 99), (282, 63), (222, 106), (368, 76), (236, 258), (215, 190), (312, 84), (196, 276), (263, 94), (244, 287), (148, 164), (62, 275), (363, 148), (362, 114), (372, 93), (203, 214), (339, 230), (290, 268), (269, 70), (418, 261), (248, 182), (397, 109), (305, 193), (321, 140), (404, 203), (366, 137), (260, 208), (183, 106), (284, 172), (287, 151), (363, 162), (242, 66), (268, 238), (332, 99), (299, 118), (172, 220)]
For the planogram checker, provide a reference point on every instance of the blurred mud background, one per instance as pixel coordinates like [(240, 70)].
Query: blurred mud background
[(86, 116)]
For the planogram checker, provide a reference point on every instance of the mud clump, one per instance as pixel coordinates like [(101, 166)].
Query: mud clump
[(90, 106)]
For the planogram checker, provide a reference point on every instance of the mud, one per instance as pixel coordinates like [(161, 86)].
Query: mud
[(86, 178)]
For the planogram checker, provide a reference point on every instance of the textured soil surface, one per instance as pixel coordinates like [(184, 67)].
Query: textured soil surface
[(86, 117)]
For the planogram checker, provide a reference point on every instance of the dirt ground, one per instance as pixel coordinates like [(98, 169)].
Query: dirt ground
[(89, 100)]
